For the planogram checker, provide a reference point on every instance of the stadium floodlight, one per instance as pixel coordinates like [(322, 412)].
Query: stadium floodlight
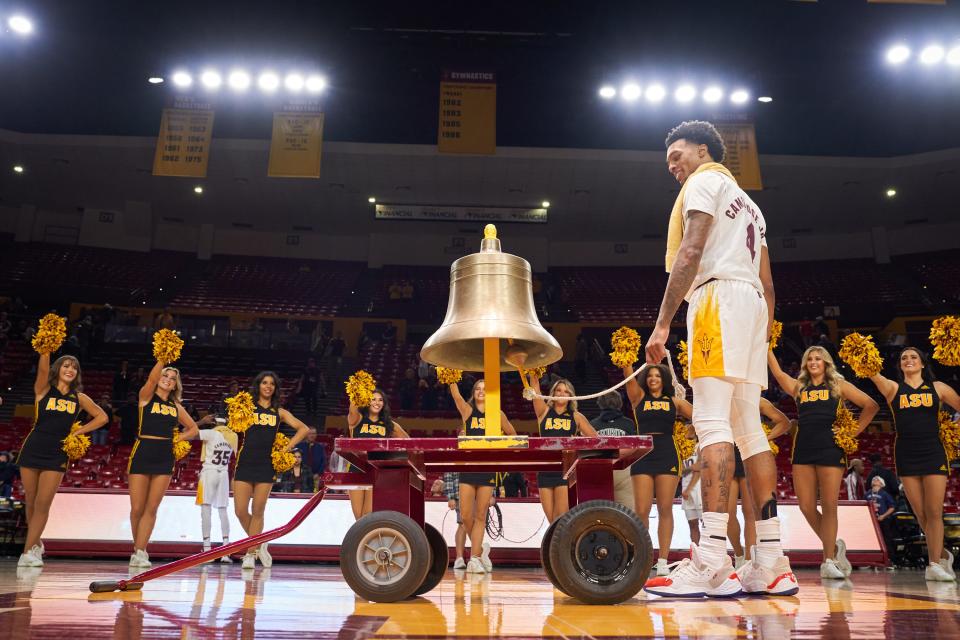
[(713, 94), (294, 82), (20, 24), (931, 54), (630, 92), (655, 93), (953, 56), (268, 81), (891, 192), (155, 79), (372, 200), (898, 54), (211, 79), (239, 80), (18, 168), (764, 99), (685, 93), (182, 79), (545, 204), (739, 96), (316, 83), (607, 92), (198, 190)]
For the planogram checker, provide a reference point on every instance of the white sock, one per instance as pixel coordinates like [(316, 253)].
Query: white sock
[(768, 541), (713, 540)]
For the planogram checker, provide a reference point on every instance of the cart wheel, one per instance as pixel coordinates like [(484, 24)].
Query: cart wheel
[(600, 553), (439, 559), (385, 556), (545, 553)]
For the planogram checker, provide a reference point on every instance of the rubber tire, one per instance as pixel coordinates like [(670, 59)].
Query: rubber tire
[(545, 553), (621, 522), (439, 559), (419, 557)]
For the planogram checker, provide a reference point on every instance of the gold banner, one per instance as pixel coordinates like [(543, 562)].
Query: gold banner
[(183, 146), (742, 158), (468, 113), (295, 145)]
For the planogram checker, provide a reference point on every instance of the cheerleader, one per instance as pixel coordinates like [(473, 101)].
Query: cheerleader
[(254, 476), (919, 456), (657, 474), (42, 460), (740, 487), (476, 489), (151, 461), (371, 422), (818, 462), (557, 418)]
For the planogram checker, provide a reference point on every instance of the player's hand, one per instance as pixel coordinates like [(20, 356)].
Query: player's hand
[(451, 504), (656, 345), (685, 495)]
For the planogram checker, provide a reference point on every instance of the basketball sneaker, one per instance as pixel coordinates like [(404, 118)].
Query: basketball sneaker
[(690, 578), (777, 580)]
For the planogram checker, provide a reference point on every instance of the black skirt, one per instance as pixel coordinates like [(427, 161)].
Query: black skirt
[(43, 451), (256, 467), (920, 457), (738, 470), (479, 479), (822, 454), (664, 459), (551, 479), (151, 458)]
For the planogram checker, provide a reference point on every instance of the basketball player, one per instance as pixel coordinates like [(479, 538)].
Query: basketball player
[(213, 490), (718, 261)]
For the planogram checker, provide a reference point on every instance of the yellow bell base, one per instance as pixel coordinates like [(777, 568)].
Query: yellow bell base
[(492, 442)]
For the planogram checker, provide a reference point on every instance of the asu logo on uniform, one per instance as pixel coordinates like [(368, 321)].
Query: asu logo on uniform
[(478, 423), (163, 409), (656, 405), (375, 429), (61, 405), (556, 424), (913, 400), (267, 419), (814, 395)]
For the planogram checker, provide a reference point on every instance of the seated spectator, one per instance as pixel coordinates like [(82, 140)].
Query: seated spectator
[(891, 484), (884, 507), (298, 479), (854, 481), (101, 435), (9, 472)]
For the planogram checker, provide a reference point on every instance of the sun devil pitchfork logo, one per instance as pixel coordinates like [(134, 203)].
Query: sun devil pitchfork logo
[(706, 344)]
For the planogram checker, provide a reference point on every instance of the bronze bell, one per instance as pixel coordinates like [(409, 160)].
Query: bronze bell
[(491, 296)]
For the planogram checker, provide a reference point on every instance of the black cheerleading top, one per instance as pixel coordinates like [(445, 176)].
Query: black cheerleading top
[(816, 412), (655, 415), (368, 428), (260, 435), (915, 414), (158, 418), (56, 412), (475, 424), (558, 425)]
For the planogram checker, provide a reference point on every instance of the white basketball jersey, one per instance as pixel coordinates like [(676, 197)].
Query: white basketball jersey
[(216, 451)]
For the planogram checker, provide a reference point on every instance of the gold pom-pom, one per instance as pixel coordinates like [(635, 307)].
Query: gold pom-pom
[(773, 445), (360, 388), (859, 352), (76, 444), (166, 346), (51, 333), (685, 446), (538, 373), (448, 376), (683, 357), (626, 345), (282, 460), (949, 436), (845, 429), (945, 338), (776, 330), (240, 412), (181, 449)]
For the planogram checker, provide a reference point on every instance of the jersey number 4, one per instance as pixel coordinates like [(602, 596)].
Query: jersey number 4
[(751, 241)]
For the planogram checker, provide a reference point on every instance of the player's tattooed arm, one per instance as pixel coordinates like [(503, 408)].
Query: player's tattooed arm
[(686, 266)]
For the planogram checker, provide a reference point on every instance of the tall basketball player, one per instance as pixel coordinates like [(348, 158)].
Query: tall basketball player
[(718, 261)]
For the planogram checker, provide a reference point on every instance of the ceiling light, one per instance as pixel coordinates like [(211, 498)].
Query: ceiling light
[(268, 81), (316, 83), (198, 189), (211, 79), (155, 80), (545, 204), (764, 99), (371, 200), (685, 93), (294, 82), (607, 92), (182, 79), (18, 168), (239, 80), (898, 54), (20, 24), (655, 93), (739, 96), (630, 92), (891, 192), (713, 94), (932, 54)]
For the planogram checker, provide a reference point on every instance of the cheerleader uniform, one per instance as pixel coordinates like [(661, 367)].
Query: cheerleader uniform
[(656, 417), (153, 456), (813, 441), (368, 428), (475, 426), (555, 425), (254, 462), (54, 415), (917, 450)]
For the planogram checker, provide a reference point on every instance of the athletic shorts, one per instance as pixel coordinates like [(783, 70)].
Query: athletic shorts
[(214, 488), (727, 332)]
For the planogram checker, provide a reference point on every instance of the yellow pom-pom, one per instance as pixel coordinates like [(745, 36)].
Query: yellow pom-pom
[(859, 352), (282, 460), (845, 429), (626, 345), (538, 373), (945, 338), (76, 445), (949, 436), (685, 446), (166, 346), (360, 388), (776, 330), (51, 333), (240, 412), (773, 445), (181, 449), (448, 376), (683, 357)]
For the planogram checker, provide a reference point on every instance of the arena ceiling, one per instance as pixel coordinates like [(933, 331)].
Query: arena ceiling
[(84, 71)]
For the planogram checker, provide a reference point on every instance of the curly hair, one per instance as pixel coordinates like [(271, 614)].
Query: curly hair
[(831, 377), (666, 380), (699, 132)]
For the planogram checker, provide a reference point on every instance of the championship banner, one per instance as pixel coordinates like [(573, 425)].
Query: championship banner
[(468, 112), (458, 213), (183, 146), (742, 158), (296, 142)]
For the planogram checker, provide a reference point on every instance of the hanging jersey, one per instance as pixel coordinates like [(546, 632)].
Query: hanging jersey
[(655, 415), (158, 418), (217, 449), (56, 412), (558, 424), (915, 412), (738, 231), (475, 424), (368, 428)]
